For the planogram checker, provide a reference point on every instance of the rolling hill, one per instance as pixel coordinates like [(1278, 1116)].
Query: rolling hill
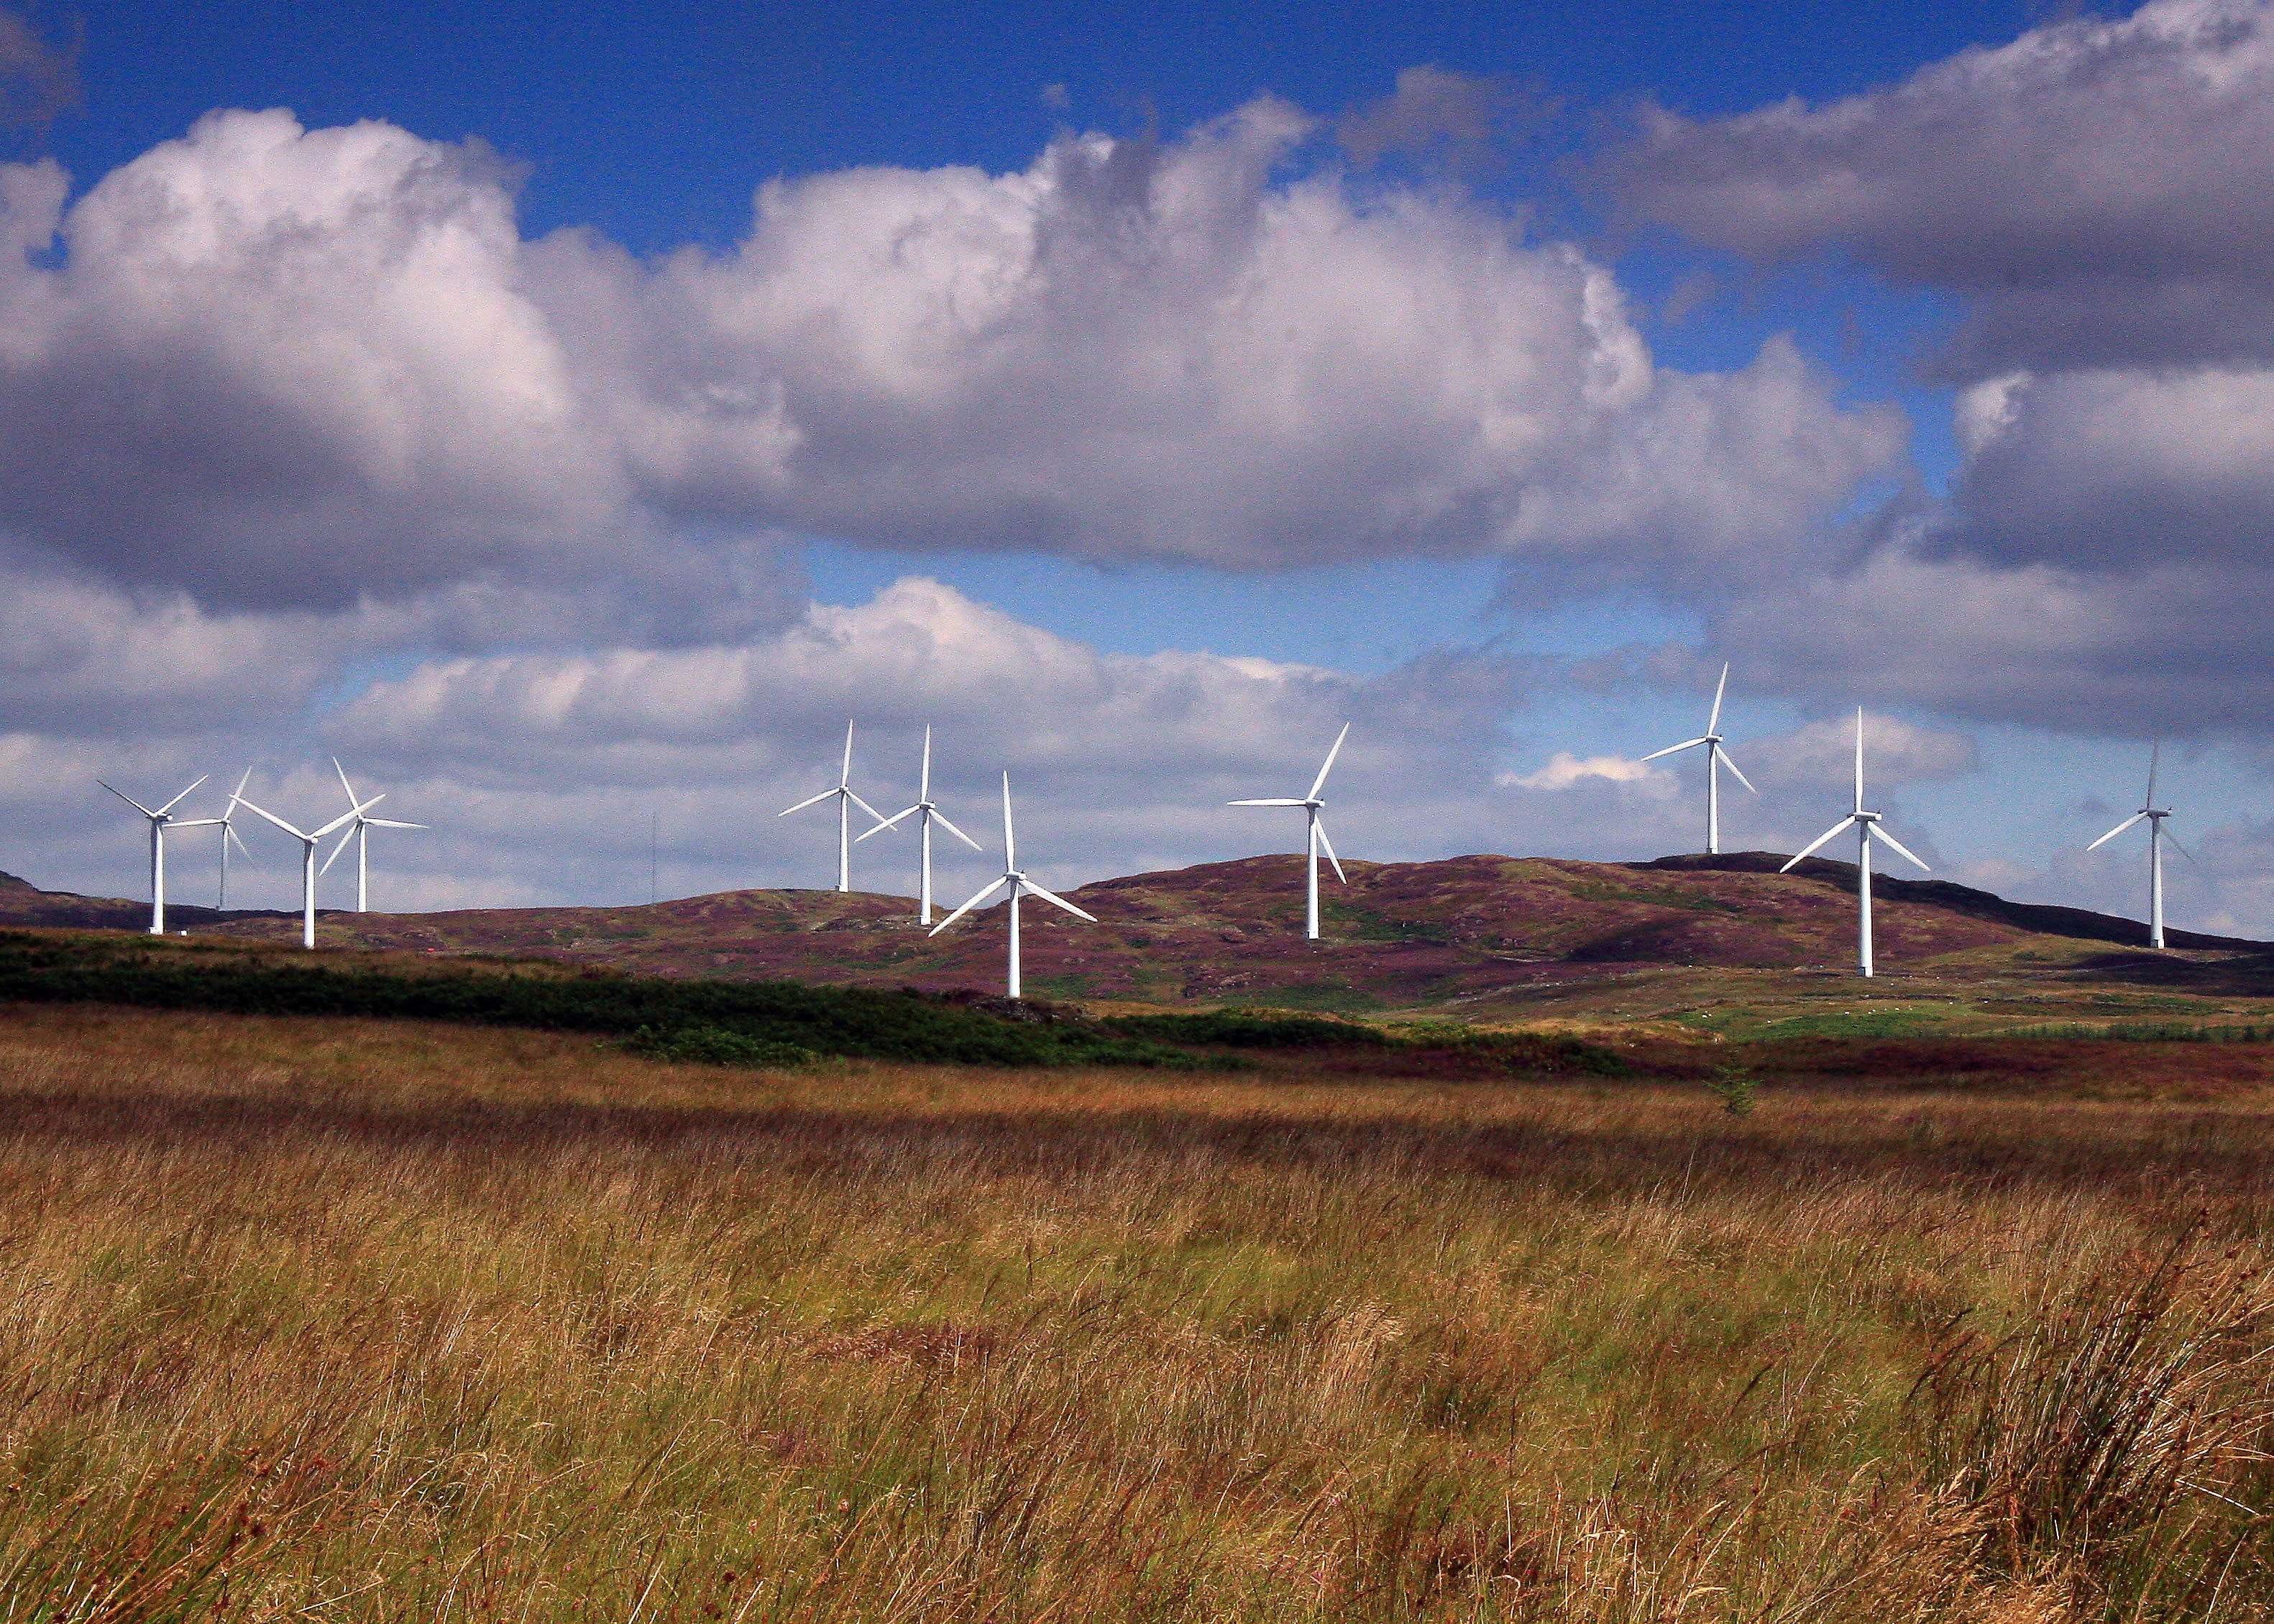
[(1480, 934)]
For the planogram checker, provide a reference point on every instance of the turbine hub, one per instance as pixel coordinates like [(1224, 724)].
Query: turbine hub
[(1867, 817)]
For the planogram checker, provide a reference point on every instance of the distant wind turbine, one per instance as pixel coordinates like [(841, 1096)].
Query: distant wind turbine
[(846, 800), (2157, 836), (1019, 885), (308, 844), (926, 815), (1866, 825), (228, 822), (1312, 805), (1716, 758), (359, 832), (160, 820)]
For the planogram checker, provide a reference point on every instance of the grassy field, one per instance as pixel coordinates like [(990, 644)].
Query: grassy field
[(349, 1320)]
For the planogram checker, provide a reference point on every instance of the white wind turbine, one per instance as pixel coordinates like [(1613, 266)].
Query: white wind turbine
[(160, 820), (2155, 838), (1019, 884), (1312, 805), (358, 832), (308, 844), (926, 815), (1716, 758), (1866, 825), (846, 800), (228, 822)]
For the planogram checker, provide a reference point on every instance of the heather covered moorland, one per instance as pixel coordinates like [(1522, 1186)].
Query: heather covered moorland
[(319, 1316)]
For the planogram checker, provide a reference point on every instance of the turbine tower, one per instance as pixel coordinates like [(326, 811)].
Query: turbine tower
[(2155, 838), (1716, 758), (359, 832), (926, 815), (1312, 805), (1866, 825), (308, 844), (1019, 884), (228, 822), (160, 820), (846, 800)]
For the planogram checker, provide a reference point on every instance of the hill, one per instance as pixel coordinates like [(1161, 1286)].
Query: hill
[(1481, 934)]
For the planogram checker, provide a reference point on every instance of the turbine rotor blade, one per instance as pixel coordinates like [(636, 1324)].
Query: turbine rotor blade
[(190, 822), (2119, 829), (1733, 767), (344, 785), (1713, 722), (809, 800), (1819, 840), (229, 833), (348, 817), (863, 805), (272, 817), (345, 841), (1859, 758), (2155, 756), (1274, 801), (170, 805), (885, 825), (1320, 782), (1010, 842), (2172, 841), (993, 886), (1671, 748), (845, 775), (129, 799), (393, 823), (1328, 847), (1034, 890), (1882, 836), (940, 817)]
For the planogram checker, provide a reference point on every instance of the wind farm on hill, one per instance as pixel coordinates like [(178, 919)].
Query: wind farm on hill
[(1488, 936)]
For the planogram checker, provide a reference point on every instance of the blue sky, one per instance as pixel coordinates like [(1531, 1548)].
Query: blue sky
[(1857, 548)]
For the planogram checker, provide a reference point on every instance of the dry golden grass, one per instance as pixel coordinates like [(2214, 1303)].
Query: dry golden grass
[(352, 1322)]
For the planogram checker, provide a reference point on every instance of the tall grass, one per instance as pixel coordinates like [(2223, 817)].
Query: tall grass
[(345, 1321)]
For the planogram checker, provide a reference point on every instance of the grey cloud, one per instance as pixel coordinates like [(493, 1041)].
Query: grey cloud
[(296, 369), (1437, 111), (39, 80), (290, 368), (2098, 184)]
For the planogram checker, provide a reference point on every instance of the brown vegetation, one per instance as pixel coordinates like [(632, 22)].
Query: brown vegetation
[(345, 1321)]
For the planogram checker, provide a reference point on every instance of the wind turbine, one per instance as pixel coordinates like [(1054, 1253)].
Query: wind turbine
[(1866, 825), (308, 843), (926, 813), (1716, 758), (358, 832), (1019, 884), (227, 821), (160, 820), (846, 800), (1311, 805), (2155, 838)]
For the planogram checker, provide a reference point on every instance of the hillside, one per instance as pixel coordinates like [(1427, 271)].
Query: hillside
[(1475, 932)]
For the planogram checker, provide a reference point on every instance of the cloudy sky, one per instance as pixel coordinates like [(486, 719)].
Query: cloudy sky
[(571, 426)]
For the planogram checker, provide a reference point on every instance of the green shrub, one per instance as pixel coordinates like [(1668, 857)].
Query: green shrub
[(715, 1046), (825, 1021)]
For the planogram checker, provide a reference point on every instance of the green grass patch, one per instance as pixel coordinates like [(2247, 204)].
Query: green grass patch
[(1857, 1024), (2146, 1032)]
